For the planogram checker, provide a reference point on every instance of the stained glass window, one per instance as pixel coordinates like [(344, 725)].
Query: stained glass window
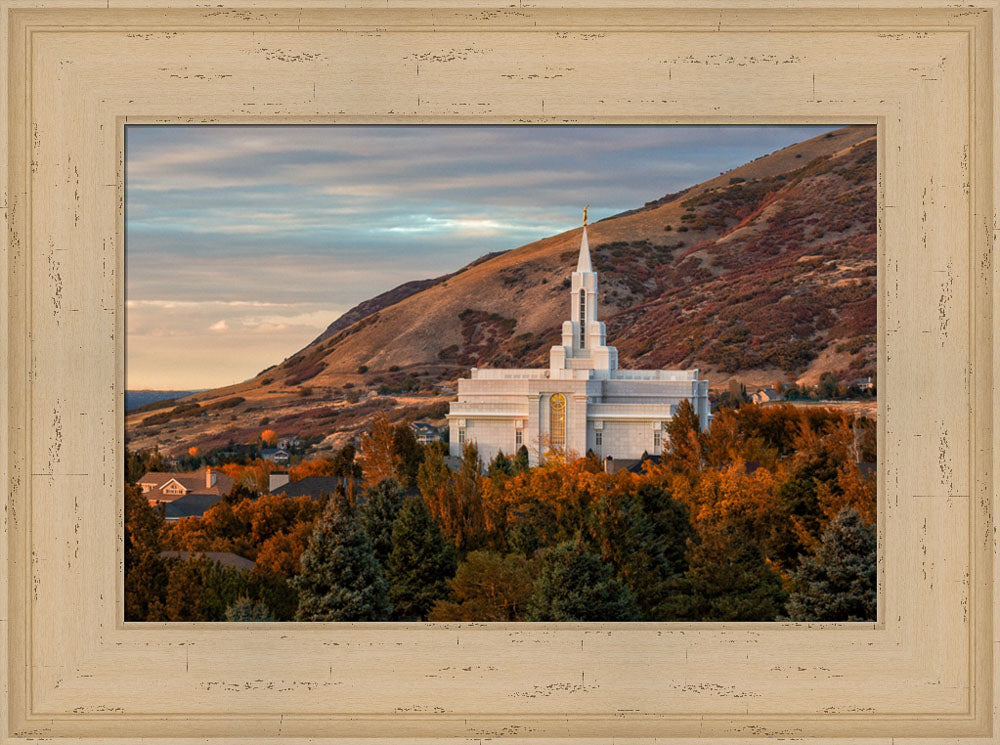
[(557, 421)]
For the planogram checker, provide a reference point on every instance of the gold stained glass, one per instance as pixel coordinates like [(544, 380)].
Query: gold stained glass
[(557, 421)]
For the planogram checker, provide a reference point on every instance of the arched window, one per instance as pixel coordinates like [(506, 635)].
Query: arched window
[(583, 318), (557, 421)]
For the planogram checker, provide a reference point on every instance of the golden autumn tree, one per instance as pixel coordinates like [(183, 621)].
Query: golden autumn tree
[(378, 452), (269, 437), (311, 467)]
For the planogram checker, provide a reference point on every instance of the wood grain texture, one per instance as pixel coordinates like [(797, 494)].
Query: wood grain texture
[(78, 71)]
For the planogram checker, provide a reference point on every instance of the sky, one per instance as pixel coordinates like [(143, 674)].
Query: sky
[(243, 243)]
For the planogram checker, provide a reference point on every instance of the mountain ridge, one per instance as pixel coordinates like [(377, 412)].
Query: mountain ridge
[(766, 272)]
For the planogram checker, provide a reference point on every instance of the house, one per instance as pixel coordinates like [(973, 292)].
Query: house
[(425, 433), (164, 487), (582, 401), (288, 443), (766, 395), (225, 558), (865, 384), (312, 486), (276, 455), (190, 505)]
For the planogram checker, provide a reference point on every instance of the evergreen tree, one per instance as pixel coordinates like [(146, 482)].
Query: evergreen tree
[(245, 610), (341, 579), (521, 460), (838, 582), (378, 512), (145, 572), (671, 523), (728, 579), (488, 586), (409, 455), (421, 562), (200, 589), (500, 467), (626, 538), (573, 584)]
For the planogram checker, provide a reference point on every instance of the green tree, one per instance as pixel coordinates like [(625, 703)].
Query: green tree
[(626, 538), (488, 586), (727, 579), (409, 455), (145, 572), (521, 464), (421, 561), (574, 584), (671, 523), (245, 609), (341, 579), (837, 582), (500, 467), (139, 462), (200, 589), (378, 513)]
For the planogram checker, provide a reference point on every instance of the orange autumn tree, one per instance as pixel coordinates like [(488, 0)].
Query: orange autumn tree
[(312, 467), (269, 437), (378, 458), (254, 475), (455, 500)]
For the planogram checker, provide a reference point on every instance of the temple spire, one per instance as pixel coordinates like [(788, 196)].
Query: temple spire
[(583, 264)]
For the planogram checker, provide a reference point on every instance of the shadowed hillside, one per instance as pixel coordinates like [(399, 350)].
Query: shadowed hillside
[(764, 273)]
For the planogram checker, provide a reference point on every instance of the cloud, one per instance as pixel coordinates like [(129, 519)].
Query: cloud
[(244, 241)]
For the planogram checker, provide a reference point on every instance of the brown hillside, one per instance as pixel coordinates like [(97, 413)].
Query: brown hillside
[(765, 272)]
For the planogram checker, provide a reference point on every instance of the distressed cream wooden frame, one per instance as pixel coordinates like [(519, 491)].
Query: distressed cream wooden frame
[(78, 70)]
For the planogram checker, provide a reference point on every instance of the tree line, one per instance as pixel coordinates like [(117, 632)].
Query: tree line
[(768, 515)]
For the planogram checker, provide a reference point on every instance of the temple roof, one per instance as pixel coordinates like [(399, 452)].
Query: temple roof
[(583, 265)]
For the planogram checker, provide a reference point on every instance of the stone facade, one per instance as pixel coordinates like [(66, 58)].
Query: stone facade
[(581, 402)]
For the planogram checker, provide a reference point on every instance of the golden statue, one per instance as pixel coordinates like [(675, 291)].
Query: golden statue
[(585, 216)]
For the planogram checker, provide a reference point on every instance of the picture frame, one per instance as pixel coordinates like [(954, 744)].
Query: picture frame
[(78, 71)]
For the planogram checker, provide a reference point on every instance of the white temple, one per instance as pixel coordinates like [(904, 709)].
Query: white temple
[(581, 402)]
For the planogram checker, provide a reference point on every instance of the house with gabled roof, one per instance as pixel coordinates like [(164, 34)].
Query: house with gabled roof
[(164, 487)]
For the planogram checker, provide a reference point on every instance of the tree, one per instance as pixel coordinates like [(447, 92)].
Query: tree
[(238, 492), (193, 451), (341, 579), (500, 467), (311, 467), (626, 538), (838, 581), (521, 463), (488, 586), (245, 609), (408, 455), (138, 463), (378, 452), (574, 584), (420, 563), (145, 572), (686, 440), (269, 437), (728, 579), (200, 589), (378, 513)]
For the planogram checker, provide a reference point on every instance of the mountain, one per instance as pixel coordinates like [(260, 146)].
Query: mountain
[(138, 399), (764, 273)]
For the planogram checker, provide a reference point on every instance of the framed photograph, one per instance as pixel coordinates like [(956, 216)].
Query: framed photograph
[(538, 374)]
